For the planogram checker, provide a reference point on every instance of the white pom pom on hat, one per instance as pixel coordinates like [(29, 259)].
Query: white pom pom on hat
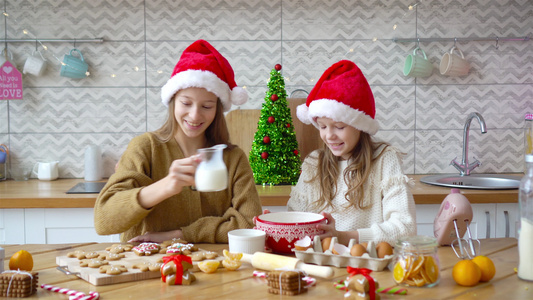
[(202, 66), (343, 95)]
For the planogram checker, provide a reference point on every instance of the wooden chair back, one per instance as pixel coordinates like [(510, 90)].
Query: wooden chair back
[(242, 125)]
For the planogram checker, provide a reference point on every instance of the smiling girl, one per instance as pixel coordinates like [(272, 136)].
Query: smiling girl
[(356, 182), (149, 198)]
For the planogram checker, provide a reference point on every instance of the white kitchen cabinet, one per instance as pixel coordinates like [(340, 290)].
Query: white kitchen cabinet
[(12, 226), (489, 220), (507, 219), (50, 226)]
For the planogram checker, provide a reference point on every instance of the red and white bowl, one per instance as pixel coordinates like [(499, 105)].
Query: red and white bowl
[(284, 228)]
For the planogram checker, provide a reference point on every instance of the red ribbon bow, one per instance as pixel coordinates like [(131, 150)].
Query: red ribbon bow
[(365, 272), (177, 259)]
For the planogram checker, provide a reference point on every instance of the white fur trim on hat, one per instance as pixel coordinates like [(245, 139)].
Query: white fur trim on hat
[(239, 96), (338, 112), (199, 79)]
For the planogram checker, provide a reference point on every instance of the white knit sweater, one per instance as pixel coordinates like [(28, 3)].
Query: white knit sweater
[(392, 211)]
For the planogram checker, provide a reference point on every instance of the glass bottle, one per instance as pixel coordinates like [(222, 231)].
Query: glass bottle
[(525, 233), (416, 262)]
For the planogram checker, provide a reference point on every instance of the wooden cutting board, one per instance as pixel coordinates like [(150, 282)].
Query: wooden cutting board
[(94, 277)]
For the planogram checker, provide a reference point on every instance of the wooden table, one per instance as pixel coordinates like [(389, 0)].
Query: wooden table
[(241, 284), (52, 194)]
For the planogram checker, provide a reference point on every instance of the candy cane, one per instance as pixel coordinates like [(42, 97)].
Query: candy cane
[(73, 294)]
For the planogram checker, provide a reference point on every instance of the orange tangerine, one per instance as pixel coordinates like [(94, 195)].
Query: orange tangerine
[(22, 260), (485, 264), (231, 255), (466, 273)]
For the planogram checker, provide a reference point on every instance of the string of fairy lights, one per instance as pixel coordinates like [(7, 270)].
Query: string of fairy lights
[(45, 48)]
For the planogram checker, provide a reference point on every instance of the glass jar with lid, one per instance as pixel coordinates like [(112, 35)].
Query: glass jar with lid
[(416, 262)]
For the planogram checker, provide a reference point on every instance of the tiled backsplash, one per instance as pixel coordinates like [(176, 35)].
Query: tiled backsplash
[(143, 40)]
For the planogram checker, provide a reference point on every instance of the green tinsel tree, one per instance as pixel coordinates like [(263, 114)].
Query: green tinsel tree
[(274, 156)]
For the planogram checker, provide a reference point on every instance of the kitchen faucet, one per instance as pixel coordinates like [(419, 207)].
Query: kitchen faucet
[(464, 167)]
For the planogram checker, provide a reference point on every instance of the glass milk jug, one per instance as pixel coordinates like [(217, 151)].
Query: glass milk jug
[(211, 174), (525, 234)]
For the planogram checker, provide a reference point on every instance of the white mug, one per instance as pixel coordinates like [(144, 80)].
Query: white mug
[(35, 64), (46, 170), (454, 65)]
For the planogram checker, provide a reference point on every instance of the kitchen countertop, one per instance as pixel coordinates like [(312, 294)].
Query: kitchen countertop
[(241, 284), (52, 194)]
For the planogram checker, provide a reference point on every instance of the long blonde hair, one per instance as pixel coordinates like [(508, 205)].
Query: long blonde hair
[(216, 133), (355, 175)]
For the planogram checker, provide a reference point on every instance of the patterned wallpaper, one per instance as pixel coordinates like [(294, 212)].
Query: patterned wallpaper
[(143, 40)]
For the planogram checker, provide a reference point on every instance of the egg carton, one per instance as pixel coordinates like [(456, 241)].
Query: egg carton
[(317, 256)]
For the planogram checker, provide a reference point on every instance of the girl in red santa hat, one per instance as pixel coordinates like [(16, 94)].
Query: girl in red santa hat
[(149, 197), (356, 182)]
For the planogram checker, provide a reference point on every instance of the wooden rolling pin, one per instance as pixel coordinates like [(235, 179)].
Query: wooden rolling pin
[(271, 262)]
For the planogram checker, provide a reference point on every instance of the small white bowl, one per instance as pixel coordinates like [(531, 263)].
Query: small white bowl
[(246, 241)]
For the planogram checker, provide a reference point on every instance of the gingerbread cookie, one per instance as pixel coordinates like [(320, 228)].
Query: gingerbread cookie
[(119, 248), (146, 266), (180, 248), (113, 269), (288, 283), (111, 256), (80, 254), (92, 263), (18, 284), (167, 243), (146, 249)]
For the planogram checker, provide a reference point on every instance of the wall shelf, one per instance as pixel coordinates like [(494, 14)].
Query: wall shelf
[(465, 39)]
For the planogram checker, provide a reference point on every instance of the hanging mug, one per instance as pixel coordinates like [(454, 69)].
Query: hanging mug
[(416, 65), (73, 66), (35, 64), (454, 65)]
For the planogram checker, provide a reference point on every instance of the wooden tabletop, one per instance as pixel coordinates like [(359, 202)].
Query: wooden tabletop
[(241, 284), (52, 194)]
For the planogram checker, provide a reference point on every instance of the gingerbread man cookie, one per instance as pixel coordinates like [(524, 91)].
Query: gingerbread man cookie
[(111, 256), (81, 254), (146, 266), (119, 248), (113, 269), (92, 263)]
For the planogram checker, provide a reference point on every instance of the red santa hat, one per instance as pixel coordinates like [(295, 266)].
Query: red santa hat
[(202, 66), (343, 95)]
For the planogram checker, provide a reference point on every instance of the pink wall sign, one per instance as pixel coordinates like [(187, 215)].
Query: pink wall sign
[(10, 82)]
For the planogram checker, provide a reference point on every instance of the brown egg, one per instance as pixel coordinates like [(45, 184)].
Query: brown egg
[(365, 244), (357, 250), (383, 249), (326, 242)]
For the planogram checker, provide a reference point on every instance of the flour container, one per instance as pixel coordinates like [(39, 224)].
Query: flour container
[(93, 163), (525, 234)]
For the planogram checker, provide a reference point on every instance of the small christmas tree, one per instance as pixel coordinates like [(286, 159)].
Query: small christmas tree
[(274, 156)]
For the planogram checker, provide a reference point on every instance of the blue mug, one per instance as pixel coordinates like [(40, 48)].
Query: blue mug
[(74, 67), (3, 154)]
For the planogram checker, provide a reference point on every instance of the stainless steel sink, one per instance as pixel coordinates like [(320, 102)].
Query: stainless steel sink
[(474, 181)]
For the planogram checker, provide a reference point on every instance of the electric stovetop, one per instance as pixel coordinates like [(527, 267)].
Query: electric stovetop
[(87, 188)]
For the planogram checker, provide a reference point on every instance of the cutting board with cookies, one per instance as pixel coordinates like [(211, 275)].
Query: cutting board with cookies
[(125, 262)]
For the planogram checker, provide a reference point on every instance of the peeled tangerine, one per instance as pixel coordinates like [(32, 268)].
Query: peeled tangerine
[(208, 266), (232, 261)]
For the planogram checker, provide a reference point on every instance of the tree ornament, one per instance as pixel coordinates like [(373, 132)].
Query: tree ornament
[(266, 140), (271, 119), (288, 125), (264, 155), (277, 67), (295, 152), (274, 97)]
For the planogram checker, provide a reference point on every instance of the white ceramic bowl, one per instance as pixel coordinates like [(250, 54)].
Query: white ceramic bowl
[(284, 228), (246, 241)]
